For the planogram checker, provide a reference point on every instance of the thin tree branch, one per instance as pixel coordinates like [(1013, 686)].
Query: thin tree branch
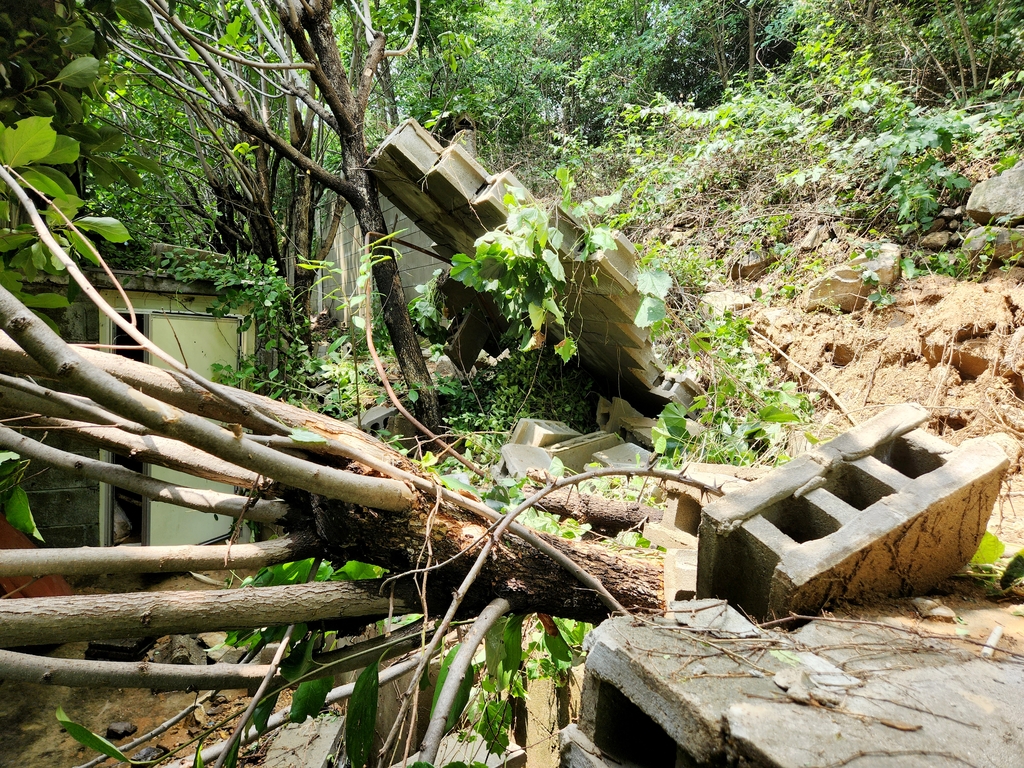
[(457, 671)]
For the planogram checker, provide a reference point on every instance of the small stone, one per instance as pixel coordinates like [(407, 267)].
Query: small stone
[(1001, 197), (953, 226), (721, 302), (935, 241), (936, 225), (948, 213), (815, 236), (184, 649), (212, 639), (998, 242), (121, 730), (148, 754)]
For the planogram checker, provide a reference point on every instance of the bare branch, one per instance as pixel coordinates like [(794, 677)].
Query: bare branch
[(32, 621), (82, 561), (456, 673), (263, 511)]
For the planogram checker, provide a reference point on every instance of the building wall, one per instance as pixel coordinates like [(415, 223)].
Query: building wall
[(416, 268)]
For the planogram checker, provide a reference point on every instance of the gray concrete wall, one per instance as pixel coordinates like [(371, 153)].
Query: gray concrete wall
[(416, 268), (66, 507)]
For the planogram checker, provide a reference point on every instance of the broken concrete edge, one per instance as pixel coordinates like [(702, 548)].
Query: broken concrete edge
[(843, 522), (671, 680)]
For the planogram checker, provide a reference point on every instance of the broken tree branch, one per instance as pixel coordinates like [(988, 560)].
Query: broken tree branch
[(213, 502), (456, 673), (83, 561), (33, 621)]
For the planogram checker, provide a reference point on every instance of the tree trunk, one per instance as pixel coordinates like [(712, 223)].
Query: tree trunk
[(606, 516), (394, 307)]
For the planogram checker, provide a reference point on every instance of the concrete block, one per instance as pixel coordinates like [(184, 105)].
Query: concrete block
[(577, 751), (881, 509), (374, 419), (680, 574), (316, 743), (541, 433), (716, 617), (624, 455), (717, 710), (456, 178), (411, 147), (639, 430), (520, 459), (577, 452), (662, 534), (611, 412)]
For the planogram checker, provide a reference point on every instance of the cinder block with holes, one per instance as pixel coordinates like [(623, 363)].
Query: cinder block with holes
[(882, 509)]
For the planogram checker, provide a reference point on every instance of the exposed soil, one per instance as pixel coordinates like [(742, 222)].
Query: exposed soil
[(954, 347)]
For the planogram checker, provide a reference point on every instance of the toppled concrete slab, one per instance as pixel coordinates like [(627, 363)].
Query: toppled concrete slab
[(472, 751), (374, 419), (577, 452), (541, 433), (453, 200), (315, 743), (882, 509), (828, 694), (624, 455)]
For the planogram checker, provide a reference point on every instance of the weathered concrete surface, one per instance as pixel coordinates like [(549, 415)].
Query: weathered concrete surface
[(825, 695), (541, 433), (517, 460), (577, 452), (881, 509), (624, 455), (316, 743)]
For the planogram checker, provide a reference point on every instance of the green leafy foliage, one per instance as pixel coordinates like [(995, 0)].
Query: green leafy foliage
[(84, 736), (461, 696), (13, 497), (989, 551)]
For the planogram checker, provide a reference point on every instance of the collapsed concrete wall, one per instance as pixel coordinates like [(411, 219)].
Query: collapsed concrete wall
[(449, 196)]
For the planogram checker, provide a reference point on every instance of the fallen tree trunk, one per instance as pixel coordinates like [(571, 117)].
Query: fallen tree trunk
[(150, 614), (84, 561), (606, 516)]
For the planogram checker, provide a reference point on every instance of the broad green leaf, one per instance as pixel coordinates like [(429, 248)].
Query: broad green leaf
[(652, 309), (27, 141), (19, 514), (104, 226), (602, 240), (558, 649), (83, 735), (557, 270), (361, 721), (989, 550), (80, 73), (1014, 571), (263, 711), (65, 150), (134, 12), (10, 240), (776, 415), (153, 166), (41, 183), (80, 40), (309, 699), (61, 180), (461, 697), (82, 247), (44, 300), (302, 435), (565, 349), (6, 456), (537, 315), (656, 282)]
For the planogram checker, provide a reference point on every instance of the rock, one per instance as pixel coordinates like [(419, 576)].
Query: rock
[(212, 639), (935, 240), (752, 265), (121, 730), (184, 649), (997, 242), (225, 654), (948, 213), (721, 302), (815, 236), (843, 287), (936, 225), (999, 197), (953, 226), (445, 368), (149, 754)]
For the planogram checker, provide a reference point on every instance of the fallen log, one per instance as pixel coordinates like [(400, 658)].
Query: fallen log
[(605, 516)]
